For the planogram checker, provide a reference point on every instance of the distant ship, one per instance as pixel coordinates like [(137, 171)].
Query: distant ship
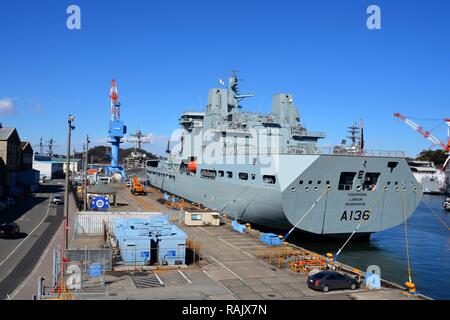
[(269, 171), (431, 179)]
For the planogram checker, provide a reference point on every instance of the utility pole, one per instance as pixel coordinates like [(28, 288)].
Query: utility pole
[(70, 119), (85, 172), (83, 175)]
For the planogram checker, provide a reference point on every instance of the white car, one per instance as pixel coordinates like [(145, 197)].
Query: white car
[(57, 199)]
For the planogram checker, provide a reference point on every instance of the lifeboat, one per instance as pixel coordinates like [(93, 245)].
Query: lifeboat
[(192, 166)]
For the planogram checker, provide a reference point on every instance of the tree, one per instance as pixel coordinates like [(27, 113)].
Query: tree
[(102, 154), (436, 156)]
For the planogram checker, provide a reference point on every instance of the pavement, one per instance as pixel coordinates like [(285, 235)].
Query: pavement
[(38, 220), (229, 269)]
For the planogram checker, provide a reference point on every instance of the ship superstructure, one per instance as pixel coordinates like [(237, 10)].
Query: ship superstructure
[(431, 179), (269, 170)]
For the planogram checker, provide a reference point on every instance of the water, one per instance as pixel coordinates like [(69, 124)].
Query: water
[(429, 249)]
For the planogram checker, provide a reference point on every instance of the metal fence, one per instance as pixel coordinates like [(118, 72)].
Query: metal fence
[(370, 153), (94, 223), (80, 270)]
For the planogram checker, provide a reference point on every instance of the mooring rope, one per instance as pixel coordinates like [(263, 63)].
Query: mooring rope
[(406, 238), (437, 216), (357, 227), (307, 212)]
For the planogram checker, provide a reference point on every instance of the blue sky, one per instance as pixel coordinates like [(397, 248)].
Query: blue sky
[(165, 56)]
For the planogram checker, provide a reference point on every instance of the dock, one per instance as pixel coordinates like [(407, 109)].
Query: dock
[(231, 267)]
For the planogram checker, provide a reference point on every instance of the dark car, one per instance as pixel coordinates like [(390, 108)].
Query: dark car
[(9, 230), (331, 280)]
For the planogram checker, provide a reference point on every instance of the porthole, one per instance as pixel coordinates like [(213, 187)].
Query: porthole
[(306, 189), (397, 189), (293, 189), (315, 188), (358, 188), (385, 188), (329, 188), (301, 181), (404, 189), (415, 189)]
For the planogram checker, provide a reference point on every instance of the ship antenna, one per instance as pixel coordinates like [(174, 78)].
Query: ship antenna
[(234, 87)]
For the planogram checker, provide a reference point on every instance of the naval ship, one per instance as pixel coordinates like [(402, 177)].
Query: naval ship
[(268, 170)]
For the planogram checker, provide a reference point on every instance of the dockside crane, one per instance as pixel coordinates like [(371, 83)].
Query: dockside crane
[(428, 135)]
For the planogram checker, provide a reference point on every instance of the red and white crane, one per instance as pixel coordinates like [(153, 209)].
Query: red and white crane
[(428, 135)]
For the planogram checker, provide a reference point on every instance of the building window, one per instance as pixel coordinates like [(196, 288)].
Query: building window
[(229, 174), (221, 173), (196, 217), (253, 176)]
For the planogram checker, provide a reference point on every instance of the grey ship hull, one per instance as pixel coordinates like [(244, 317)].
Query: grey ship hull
[(302, 180)]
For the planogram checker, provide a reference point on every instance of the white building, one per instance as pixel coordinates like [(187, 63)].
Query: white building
[(49, 169)]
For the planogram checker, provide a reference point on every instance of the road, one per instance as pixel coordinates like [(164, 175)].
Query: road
[(38, 220)]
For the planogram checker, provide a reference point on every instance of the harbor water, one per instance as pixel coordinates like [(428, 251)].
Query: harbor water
[(429, 249)]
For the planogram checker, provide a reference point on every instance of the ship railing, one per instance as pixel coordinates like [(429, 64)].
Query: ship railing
[(345, 186), (310, 134), (243, 150), (370, 153)]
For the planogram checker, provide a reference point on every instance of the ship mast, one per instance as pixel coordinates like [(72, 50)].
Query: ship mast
[(236, 97)]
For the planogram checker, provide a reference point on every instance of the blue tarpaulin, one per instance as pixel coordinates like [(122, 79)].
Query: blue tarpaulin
[(270, 239), (238, 227)]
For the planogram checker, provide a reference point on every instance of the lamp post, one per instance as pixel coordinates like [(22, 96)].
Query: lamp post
[(70, 119), (85, 172)]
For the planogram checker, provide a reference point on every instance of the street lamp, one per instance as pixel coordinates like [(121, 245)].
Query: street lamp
[(85, 165), (70, 119)]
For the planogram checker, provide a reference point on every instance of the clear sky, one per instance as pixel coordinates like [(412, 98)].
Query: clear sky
[(165, 56)]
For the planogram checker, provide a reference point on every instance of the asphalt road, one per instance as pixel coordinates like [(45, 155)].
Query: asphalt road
[(38, 220)]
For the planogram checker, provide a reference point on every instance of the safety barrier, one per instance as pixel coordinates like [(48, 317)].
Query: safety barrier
[(297, 259)]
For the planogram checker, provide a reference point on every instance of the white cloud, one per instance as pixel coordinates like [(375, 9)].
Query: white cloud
[(7, 106)]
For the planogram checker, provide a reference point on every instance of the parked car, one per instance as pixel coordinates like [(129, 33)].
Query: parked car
[(9, 230), (57, 199), (331, 280)]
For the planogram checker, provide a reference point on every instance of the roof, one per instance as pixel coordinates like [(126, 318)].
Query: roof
[(102, 188), (49, 162), (26, 146), (64, 160), (5, 133)]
